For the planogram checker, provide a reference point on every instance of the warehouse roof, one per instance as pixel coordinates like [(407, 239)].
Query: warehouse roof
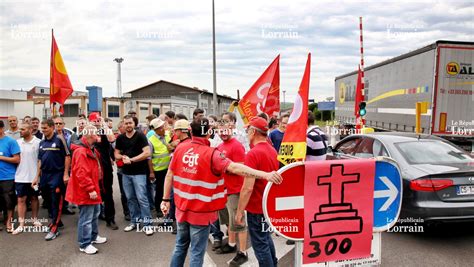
[(184, 86)]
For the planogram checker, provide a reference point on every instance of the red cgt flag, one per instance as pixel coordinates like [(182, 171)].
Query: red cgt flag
[(264, 95), (60, 86), (293, 145)]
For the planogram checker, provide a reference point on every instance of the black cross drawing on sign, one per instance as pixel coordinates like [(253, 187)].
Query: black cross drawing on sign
[(336, 180)]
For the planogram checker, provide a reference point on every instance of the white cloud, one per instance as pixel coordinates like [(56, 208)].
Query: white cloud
[(171, 40)]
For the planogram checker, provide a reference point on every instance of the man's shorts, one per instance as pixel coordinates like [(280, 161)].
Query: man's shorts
[(223, 216), (7, 194), (25, 190), (232, 204)]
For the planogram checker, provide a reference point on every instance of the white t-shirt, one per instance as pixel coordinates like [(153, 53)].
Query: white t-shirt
[(26, 170)]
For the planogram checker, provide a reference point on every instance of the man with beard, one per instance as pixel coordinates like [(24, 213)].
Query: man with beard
[(25, 173), (132, 147)]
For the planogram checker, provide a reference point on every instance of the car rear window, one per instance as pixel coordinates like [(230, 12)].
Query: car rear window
[(432, 152)]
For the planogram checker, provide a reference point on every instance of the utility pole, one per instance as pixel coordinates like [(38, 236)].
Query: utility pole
[(214, 95), (284, 101), (119, 76)]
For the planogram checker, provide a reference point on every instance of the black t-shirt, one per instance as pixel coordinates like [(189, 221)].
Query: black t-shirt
[(132, 147), (39, 135), (105, 150)]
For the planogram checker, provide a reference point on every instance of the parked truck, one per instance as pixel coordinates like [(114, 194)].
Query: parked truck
[(441, 74)]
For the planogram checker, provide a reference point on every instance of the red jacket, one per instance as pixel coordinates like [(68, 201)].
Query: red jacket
[(85, 174)]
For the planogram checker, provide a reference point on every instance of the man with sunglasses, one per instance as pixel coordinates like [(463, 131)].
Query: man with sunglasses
[(59, 125), (66, 135)]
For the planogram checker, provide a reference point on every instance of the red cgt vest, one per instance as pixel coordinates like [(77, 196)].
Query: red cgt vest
[(196, 187)]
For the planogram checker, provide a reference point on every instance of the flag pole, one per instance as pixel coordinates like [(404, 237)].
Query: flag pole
[(51, 76)]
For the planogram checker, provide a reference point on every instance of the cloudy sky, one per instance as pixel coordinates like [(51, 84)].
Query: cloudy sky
[(172, 40)]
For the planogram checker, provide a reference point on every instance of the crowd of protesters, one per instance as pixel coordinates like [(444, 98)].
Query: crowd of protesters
[(195, 175)]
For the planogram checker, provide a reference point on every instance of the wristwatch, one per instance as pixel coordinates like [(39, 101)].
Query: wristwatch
[(166, 200)]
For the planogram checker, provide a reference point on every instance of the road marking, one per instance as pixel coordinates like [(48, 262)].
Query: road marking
[(391, 193), (208, 262), (289, 203)]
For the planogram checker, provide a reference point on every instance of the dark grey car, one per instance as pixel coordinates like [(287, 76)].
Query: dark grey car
[(438, 177)]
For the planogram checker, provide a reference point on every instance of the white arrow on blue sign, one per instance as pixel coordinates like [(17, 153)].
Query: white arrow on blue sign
[(387, 195)]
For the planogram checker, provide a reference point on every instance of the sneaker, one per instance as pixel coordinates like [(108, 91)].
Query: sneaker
[(148, 230), (127, 217), (130, 227), (226, 249), (217, 244), (18, 230), (99, 240), (51, 235), (90, 249), (239, 259), (112, 226)]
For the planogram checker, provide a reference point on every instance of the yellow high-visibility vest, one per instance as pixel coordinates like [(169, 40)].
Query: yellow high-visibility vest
[(161, 157)]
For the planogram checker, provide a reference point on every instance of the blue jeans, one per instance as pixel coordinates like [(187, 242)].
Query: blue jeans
[(216, 232), (87, 227), (262, 242), (150, 194), (135, 188), (196, 235)]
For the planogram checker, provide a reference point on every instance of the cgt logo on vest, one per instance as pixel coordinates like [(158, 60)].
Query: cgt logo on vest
[(190, 158)]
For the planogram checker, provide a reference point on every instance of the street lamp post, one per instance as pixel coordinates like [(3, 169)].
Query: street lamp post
[(284, 102), (119, 76)]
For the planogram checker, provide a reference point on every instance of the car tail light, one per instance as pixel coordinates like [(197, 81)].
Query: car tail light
[(429, 185)]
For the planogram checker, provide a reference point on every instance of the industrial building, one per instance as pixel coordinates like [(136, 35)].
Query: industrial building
[(155, 98)]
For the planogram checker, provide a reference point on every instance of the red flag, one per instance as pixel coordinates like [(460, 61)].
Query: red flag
[(358, 96), (60, 86), (264, 95), (293, 145)]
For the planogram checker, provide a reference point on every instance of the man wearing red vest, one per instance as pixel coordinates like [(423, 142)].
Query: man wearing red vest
[(199, 191)]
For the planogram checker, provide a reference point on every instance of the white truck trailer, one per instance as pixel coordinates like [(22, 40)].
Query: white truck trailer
[(441, 74)]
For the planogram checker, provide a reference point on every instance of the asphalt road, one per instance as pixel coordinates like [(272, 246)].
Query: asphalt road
[(447, 245)]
